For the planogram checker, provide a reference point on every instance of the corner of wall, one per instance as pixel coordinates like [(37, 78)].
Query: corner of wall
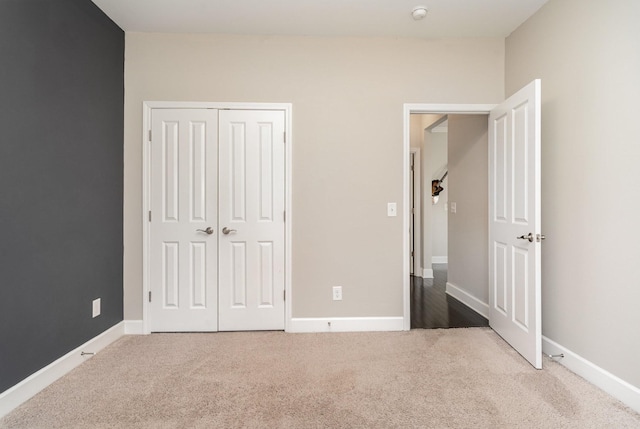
[(30, 386)]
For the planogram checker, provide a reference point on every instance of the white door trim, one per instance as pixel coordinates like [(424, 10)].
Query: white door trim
[(409, 108), (148, 106)]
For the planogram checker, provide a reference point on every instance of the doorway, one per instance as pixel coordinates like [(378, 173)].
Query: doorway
[(433, 299), (482, 109), (513, 210), (216, 239)]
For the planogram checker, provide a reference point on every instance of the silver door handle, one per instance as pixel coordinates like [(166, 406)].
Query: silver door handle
[(526, 237), (226, 230), (209, 230)]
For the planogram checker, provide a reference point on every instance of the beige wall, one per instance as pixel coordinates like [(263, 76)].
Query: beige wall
[(468, 189), (439, 228), (347, 96), (416, 131), (422, 139), (588, 57)]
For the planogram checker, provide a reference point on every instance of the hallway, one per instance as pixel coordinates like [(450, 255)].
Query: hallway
[(431, 307)]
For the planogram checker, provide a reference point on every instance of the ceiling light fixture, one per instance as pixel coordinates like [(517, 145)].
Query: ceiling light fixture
[(419, 12)]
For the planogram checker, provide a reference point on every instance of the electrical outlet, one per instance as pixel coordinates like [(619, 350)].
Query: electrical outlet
[(337, 293), (96, 308), (453, 207)]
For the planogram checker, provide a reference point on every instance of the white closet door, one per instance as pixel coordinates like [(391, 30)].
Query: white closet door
[(183, 256), (251, 220)]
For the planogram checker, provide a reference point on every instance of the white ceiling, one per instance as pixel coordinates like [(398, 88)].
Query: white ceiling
[(367, 18)]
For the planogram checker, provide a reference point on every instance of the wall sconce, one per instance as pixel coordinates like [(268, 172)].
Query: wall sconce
[(436, 188)]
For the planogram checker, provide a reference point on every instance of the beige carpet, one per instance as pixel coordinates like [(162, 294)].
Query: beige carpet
[(456, 378)]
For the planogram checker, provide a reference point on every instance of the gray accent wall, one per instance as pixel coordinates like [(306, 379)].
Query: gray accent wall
[(61, 169)]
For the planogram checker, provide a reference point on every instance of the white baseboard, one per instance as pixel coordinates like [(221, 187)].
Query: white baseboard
[(614, 386), (346, 324), (133, 327), (482, 308), (427, 273), (27, 388), (439, 259)]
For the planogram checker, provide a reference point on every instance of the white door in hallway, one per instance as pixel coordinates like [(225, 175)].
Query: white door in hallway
[(183, 202), (251, 220), (515, 222)]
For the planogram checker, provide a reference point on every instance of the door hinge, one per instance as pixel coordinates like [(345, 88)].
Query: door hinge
[(284, 215), (284, 295), (149, 296), (149, 135), (149, 215), (285, 137)]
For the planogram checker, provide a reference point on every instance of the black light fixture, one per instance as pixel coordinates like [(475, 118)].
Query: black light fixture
[(436, 188)]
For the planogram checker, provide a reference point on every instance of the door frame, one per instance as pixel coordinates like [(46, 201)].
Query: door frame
[(408, 109), (147, 107)]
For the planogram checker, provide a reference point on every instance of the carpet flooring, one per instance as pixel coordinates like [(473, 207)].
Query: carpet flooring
[(455, 378)]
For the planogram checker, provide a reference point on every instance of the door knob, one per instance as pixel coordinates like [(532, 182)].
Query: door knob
[(526, 237), (209, 230), (540, 237), (226, 230)]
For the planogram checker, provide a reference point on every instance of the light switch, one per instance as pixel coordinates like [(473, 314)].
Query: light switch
[(453, 207), (392, 209)]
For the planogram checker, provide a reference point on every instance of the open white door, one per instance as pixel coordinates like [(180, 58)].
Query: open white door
[(251, 218), (514, 222)]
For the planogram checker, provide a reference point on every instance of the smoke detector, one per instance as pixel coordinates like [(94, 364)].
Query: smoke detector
[(419, 12)]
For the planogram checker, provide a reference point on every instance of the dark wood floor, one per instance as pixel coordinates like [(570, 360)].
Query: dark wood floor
[(431, 307)]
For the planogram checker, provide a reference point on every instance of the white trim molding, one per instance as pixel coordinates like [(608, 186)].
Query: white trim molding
[(427, 273), (27, 388), (613, 385), (147, 108), (439, 259), (345, 324), (482, 308)]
